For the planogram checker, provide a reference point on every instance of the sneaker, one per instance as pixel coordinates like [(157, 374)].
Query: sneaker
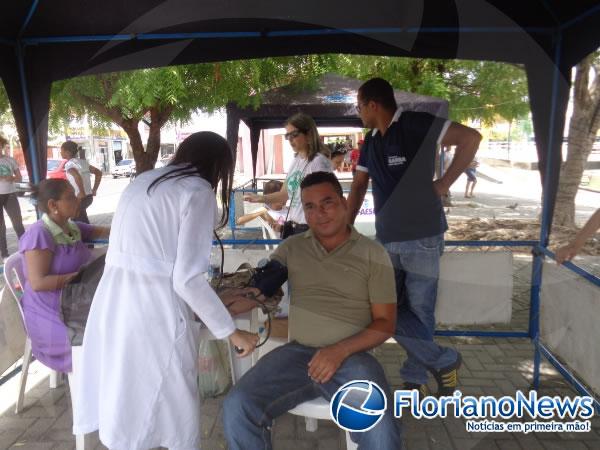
[(447, 378), (422, 388)]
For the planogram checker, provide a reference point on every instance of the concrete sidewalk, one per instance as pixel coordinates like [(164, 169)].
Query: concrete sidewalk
[(494, 367)]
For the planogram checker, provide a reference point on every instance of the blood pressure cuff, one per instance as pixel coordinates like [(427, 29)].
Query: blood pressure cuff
[(269, 278)]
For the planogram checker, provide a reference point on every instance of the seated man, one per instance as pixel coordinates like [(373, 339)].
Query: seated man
[(343, 303)]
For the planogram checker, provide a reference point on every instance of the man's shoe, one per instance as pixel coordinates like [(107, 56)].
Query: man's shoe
[(447, 378), (422, 388)]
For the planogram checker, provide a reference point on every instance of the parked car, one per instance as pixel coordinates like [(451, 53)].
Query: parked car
[(123, 168), (56, 169)]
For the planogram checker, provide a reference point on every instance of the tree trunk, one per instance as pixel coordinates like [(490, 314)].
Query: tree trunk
[(583, 127), (146, 158)]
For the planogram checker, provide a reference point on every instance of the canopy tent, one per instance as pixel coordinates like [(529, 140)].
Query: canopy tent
[(41, 42), (331, 103)]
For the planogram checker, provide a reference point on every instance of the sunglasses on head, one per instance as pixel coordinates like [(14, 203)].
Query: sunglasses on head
[(293, 134)]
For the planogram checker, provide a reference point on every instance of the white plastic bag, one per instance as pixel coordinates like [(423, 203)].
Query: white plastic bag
[(213, 369)]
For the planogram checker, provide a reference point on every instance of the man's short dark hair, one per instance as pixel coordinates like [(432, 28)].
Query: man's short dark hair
[(379, 91), (322, 177)]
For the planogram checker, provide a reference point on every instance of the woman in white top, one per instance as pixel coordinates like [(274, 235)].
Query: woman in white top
[(9, 173), (311, 156), (139, 367), (78, 173)]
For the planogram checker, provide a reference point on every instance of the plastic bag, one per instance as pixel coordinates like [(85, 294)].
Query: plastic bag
[(213, 369)]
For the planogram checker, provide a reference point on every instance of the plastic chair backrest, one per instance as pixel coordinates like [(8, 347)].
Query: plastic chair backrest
[(14, 279), (270, 231)]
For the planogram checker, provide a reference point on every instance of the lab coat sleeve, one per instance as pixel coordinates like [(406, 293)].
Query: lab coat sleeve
[(193, 253)]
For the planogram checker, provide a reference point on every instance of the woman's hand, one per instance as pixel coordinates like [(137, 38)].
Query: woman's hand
[(254, 198), (245, 341), (566, 253), (237, 301)]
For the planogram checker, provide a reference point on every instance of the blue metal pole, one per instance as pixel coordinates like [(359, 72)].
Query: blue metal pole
[(32, 9), (32, 147), (283, 33), (538, 262)]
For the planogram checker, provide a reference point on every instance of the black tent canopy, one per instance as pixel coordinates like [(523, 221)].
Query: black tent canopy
[(331, 103), (44, 41)]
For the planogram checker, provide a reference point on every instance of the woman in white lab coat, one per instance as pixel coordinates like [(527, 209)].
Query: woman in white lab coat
[(139, 359)]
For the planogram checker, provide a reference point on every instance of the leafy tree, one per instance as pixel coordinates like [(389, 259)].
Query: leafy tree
[(475, 89), (5, 113), (172, 94), (583, 128)]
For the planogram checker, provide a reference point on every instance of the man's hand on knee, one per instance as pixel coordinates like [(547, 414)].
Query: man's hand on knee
[(325, 363)]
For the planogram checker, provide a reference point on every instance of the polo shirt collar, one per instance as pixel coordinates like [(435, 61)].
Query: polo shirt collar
[(394, 119), (354, 235), (58, 234)]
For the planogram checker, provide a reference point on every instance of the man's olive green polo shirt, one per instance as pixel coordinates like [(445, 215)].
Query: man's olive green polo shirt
[(331, 293)]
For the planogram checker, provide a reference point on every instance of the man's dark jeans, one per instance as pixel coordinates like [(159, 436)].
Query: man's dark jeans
[(10, 204), (280, 381)]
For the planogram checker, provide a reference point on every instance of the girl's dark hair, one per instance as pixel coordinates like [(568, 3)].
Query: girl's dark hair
[(207, 155), (70, 147), (48, 190), (272, 186)]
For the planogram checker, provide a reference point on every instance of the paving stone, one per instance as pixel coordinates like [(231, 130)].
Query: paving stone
[(330, 444), (64, 446), (285, 427), (14, 422), (416, 444), (8, 437), (213, 444), (557, 445), (38, 429), (508, 444), (25, 445), (286, 444), (474, 444)]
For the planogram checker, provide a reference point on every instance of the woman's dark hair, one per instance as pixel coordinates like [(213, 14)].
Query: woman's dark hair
[(337, 152), (48, 190), (207, 155), (379, 91), (272, 186), (70, 147)]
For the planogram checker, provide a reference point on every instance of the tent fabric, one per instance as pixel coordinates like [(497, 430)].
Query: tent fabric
[(44, 41), (332, 102)]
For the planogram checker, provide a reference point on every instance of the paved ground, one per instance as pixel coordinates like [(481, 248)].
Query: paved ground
[(494, 367)]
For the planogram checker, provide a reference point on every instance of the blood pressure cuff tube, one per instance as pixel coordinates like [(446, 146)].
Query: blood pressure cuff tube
[(269, 278)]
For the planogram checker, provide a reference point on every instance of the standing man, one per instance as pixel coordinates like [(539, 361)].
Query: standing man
[(399, 156), (9, 173)]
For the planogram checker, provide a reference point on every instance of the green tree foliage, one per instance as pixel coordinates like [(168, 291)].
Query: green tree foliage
[(5, 113), (173, 94), (475, 89)]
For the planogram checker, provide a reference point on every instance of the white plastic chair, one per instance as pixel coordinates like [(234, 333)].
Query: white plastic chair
[(14, 277), (311, 410), (268, 233)]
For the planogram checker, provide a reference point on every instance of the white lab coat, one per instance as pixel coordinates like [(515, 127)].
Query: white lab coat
[(139, 359)]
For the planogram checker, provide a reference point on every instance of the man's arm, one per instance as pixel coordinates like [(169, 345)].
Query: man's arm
[(97, 178), (466, 141), (359, 187), (567, 252), (327, 360)]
